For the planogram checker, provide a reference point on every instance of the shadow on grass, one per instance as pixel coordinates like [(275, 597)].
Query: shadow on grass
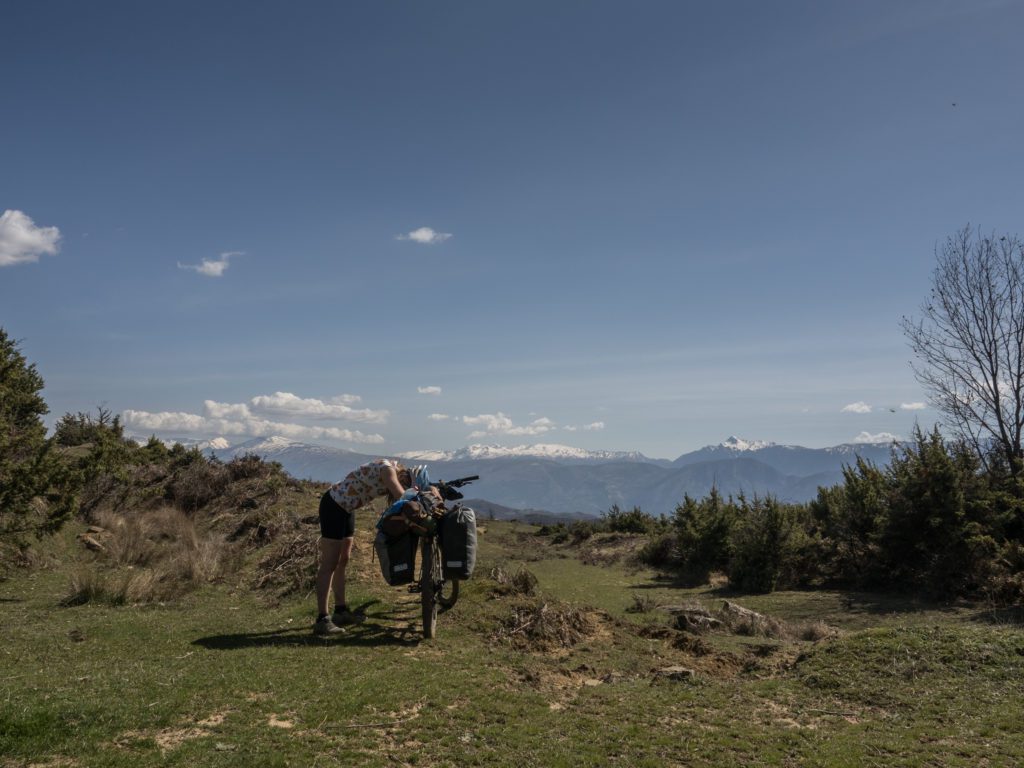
[(1012, 615), (874, 603), (382, 627)]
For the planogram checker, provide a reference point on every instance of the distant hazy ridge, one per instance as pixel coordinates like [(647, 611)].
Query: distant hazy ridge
[(565, 480)]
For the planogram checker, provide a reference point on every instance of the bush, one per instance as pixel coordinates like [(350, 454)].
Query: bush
[(660, 551), (761, 542), (703, 535), (634, 521), (198, 483), (33, 496)]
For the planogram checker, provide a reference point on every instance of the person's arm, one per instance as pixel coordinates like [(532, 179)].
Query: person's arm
[(390, 477)]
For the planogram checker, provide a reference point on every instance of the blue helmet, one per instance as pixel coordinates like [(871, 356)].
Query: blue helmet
[(419, 476)]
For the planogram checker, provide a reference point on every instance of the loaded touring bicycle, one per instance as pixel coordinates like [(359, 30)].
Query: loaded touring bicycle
[(445, 537)]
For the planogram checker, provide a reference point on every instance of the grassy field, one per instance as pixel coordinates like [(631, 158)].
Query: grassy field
[(572, 675)]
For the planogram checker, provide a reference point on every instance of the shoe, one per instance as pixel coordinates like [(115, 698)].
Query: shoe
[(325, 626), (347, 617)]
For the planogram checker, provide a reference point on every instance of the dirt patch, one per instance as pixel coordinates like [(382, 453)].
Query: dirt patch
[(279, 722), (215, 719), (168, 739), (561, 686)]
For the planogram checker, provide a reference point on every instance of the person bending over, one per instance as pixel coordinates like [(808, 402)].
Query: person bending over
[(361, 486)]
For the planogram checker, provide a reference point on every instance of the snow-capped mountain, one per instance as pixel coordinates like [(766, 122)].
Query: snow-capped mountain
[(216, 444), (303, 460), (789, 459), (733, 443), (540, 451), (564, 480)]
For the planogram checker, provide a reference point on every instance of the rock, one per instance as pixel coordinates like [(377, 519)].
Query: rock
[(697, 623), (674, 673), (90, 542), (742, 613)]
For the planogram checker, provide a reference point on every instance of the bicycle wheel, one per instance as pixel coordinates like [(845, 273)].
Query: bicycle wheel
[(429, 571), (448, 593)]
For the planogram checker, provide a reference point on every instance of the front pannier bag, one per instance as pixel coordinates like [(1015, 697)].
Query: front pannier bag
[(397, 555), (458, 543)]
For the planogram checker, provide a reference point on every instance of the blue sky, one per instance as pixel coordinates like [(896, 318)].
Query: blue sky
[(630, 226)]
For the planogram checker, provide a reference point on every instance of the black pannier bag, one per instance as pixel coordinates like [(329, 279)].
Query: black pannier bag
[(458, 543), (397, 555)]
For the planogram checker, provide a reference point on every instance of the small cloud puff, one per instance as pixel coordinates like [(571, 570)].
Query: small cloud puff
[(858, 407), (425, 235), (429, 390), (212, 267), (912, 406), (22, 242), (309, 407), (493, 424), (881, 437), (439, 417)]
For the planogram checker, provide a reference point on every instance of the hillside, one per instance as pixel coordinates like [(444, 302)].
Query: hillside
[(577, 665)]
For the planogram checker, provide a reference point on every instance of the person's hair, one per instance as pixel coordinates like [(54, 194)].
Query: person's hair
[(404, 473)]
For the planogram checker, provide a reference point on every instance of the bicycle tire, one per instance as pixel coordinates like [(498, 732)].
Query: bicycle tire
[(427, 597), (446, 601)]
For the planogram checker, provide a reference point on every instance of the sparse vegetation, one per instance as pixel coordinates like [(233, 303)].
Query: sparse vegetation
[(183, 590)]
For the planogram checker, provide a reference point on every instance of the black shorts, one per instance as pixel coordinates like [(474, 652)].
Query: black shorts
[(335, 522)]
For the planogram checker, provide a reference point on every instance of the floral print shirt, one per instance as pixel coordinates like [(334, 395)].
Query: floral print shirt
[(362, 485)]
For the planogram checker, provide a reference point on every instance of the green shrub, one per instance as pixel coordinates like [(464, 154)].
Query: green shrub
[(703, 535), (761, 542), (36, 494), (198, 483), (660, 551), (615, 520)]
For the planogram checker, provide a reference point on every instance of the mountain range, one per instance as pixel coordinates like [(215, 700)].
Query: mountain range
[(564, 480)]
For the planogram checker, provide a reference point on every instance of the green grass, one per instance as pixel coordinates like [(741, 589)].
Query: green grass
[(229, 677)]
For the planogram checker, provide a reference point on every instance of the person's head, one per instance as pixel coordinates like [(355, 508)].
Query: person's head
[(404, 475)]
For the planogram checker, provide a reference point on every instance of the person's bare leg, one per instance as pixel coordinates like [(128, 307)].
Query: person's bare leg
[(330, 553), (338, 582)]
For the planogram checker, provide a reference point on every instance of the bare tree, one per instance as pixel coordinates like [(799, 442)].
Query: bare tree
[(969, 342)]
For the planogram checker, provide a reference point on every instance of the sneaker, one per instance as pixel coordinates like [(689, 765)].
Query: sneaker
[(347, 617), (325, 626)]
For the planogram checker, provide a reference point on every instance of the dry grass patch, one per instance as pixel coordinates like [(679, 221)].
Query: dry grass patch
[(520, 582), (148, 557), (290, 566), (734, 619), (543, 625)]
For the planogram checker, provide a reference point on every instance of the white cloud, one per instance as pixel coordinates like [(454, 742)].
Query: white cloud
[(217, 410), (253, 427), (429, 390), (881, 437), (22, 242), (912, 406), (346, 399), (439, 417), (425, 235), (570, 429), (494, 424), (858, 407), (308, 407), (594, 426), (212, 267)]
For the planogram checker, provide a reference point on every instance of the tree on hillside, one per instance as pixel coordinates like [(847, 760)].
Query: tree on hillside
[(969, 342), (27, 466)]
